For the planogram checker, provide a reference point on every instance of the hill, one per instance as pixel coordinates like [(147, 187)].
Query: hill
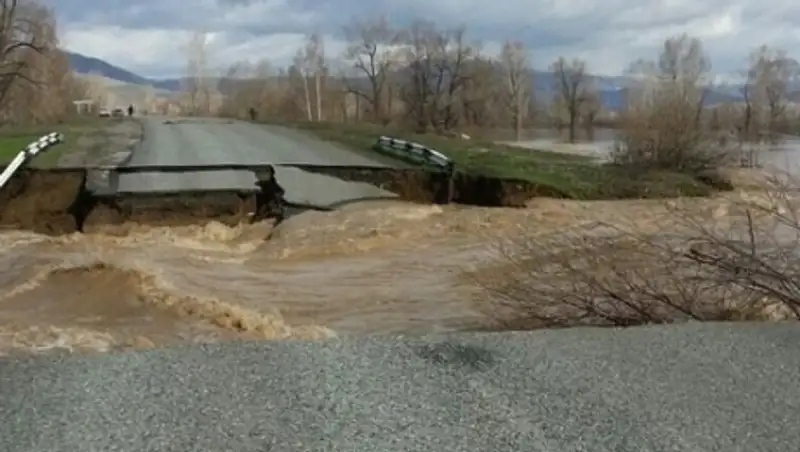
[(83, 64)]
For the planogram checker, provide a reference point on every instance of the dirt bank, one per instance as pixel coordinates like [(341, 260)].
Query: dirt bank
[(43, 201), (418, 185), (55, 201)]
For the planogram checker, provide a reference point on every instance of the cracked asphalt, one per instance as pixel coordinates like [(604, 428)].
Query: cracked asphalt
[(211, 141)]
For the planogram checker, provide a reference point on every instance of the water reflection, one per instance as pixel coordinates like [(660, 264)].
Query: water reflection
[(783, 156)]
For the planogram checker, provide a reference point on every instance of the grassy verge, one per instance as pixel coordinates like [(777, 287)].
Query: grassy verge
[(14, 139), (573, 176)]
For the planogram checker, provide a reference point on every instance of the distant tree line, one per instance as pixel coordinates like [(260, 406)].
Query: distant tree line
[(434, 79)]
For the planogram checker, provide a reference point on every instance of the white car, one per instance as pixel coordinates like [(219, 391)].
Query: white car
[(104, 113)]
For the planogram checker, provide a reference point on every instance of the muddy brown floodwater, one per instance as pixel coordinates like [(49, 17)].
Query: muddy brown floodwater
[(375, 267)]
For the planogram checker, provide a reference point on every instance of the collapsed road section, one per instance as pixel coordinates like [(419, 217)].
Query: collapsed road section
[(198, 170), (59, 201)]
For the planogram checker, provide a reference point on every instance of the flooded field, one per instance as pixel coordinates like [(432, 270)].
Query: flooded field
[(784, 155)]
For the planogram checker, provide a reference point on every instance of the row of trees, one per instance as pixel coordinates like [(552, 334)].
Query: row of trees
[(438, 79), (36, 84), (424, 76)]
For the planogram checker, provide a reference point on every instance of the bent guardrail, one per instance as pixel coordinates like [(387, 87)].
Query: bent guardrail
[(423, 156), (415, 152), (29, 152)]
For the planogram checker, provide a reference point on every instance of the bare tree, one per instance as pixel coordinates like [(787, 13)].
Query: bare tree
[(662, 123), (771, 72), (480, 96), (421, 44), (514, 63), (45, 89), (370, 53), (590, 109), (458, 54), (680, 73), (196, 84), (571, 90), (315, 56), (20, 35), (303, 71), (437, 73), (751, 102)]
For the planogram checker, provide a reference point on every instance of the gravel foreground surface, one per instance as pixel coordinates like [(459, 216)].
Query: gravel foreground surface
[(711, 387)]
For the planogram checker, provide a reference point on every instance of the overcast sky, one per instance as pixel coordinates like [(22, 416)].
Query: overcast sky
[(146, 36)]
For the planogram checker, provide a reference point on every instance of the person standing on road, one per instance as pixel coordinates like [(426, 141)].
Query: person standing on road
[(253, 114), (130, 110)]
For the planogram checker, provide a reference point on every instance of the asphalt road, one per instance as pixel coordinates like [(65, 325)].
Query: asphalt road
[(693, 388), (195, 141)]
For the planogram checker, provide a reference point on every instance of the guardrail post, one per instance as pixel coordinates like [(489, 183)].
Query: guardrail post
[(445, 182), (451, 183)]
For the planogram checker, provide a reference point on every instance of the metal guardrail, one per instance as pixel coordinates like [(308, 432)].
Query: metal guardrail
[(29, 152), (414, 152)]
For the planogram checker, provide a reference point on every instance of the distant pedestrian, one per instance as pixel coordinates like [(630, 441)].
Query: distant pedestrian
[(130, 110), (253, 114)]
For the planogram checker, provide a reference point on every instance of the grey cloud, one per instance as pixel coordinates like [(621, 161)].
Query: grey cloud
[(169, 14), (545, 29)]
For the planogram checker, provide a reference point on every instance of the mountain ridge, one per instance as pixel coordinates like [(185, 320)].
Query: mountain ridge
[(83, 64)]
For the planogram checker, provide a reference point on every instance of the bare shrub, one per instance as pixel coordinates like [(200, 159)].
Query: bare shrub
[(604, 281), (663, 124), (758, 250), (737, 261)]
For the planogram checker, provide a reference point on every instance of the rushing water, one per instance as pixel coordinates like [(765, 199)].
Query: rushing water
[(367, 269), (379, 267)]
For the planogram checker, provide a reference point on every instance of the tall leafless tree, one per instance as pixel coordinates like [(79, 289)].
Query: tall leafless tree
[(371, 55), (315, 58), (421, 44), (196, 84), (436, 73), (303, 71), (20, 35), (37, 84), (772, 71), (751, 102), (571, 90), (518, 84), (662, 124)]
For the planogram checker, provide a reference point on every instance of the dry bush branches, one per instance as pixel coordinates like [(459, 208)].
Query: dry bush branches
[(737, 261)]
